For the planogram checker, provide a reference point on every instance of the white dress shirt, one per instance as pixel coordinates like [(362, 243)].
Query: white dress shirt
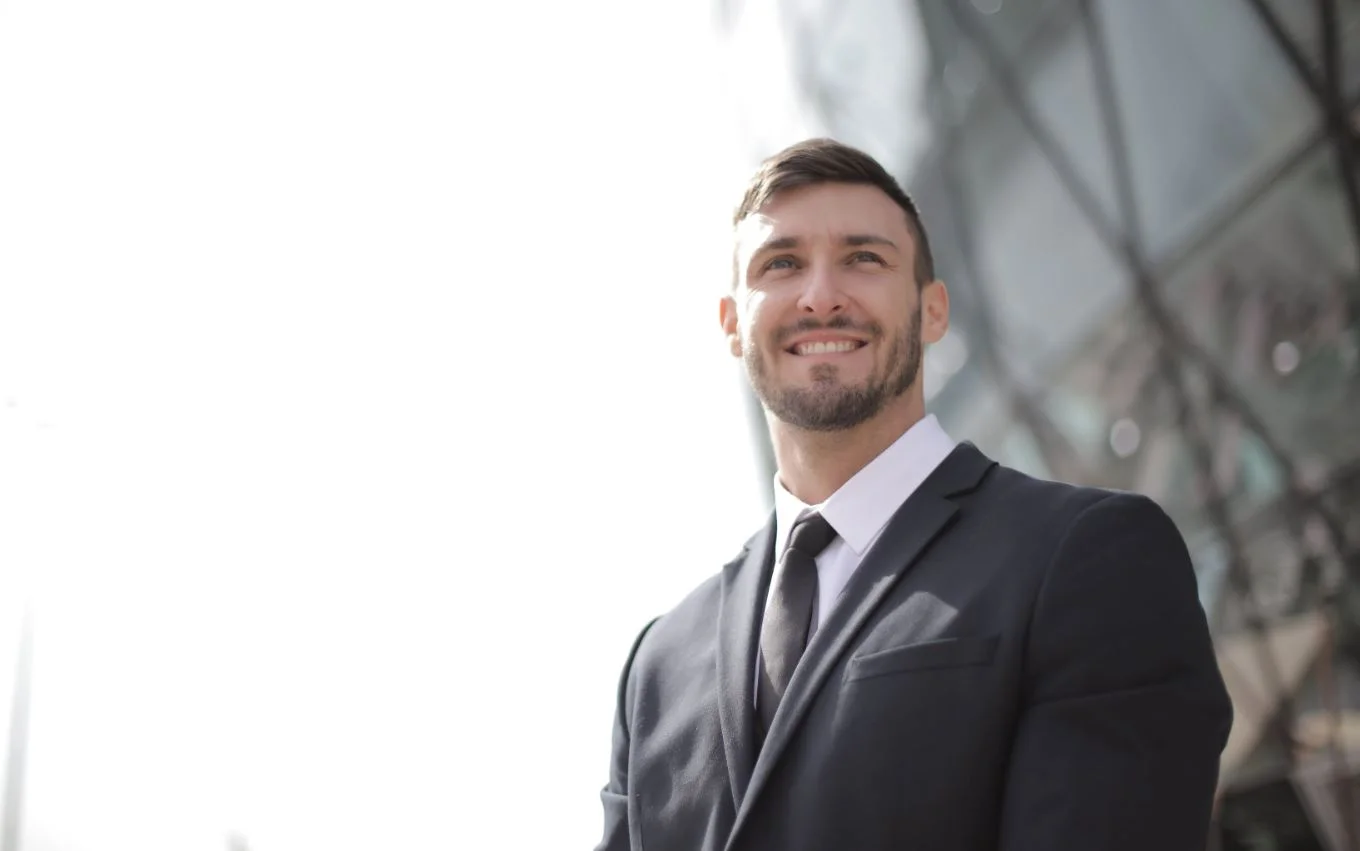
[(862, 507)]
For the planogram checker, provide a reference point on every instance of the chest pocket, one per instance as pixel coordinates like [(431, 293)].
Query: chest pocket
[(938, 653)]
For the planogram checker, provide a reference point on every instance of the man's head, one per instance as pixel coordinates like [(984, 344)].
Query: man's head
[(834, 291)]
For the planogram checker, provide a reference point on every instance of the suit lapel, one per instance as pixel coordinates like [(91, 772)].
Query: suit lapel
[(920, 520), (745, 583)]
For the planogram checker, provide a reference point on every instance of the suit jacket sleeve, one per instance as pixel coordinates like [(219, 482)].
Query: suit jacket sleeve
[(615, 793), (1125, 714)]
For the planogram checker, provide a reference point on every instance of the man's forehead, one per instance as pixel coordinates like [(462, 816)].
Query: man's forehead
[(820, 212), (759, 230)]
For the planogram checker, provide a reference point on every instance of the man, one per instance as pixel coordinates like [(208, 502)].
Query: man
[(922, 649)]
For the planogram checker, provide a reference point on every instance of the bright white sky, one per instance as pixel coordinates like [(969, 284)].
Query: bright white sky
[(361, 395)]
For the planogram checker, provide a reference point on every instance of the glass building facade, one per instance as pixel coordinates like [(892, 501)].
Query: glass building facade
[(1149, 219)]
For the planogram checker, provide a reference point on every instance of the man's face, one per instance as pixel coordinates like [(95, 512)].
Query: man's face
[(826, 312)]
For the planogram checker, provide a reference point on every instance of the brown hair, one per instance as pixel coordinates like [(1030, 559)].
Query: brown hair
[(815, 161)]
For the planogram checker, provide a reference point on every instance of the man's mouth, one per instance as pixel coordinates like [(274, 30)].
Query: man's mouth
[(824, 347)]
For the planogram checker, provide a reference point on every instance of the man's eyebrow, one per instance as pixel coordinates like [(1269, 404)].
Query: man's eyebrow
[(779, 244), (858, 239), (853, 240)]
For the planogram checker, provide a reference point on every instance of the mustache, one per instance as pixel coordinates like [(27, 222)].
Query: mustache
[(839, 323)]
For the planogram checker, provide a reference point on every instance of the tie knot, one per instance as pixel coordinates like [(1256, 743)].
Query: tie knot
[(811, 535)]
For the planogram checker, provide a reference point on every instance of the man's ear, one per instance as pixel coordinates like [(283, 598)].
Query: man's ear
[(934, 311), (727, 315)]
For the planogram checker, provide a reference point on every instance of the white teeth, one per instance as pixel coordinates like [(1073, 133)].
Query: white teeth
[(826, 348)]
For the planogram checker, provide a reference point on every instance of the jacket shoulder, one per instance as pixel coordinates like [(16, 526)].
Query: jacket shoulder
[(1057, 501)]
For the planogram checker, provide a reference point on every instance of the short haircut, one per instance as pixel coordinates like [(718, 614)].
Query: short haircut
[(816, 161)]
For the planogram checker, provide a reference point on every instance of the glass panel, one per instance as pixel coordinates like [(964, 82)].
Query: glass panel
[(1018, 27), (1275, 301), (1327, 784), (1269, 816), (1303, 25), (1207, 102), (861, 66), (1117, 408), (1343, 498), (1048, 278), (1023, 32), (1061, 86), (1057, 81)]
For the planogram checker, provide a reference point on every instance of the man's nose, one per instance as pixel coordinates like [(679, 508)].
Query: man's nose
[(822, 293)]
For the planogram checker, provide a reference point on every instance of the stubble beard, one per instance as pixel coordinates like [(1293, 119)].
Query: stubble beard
[(830, 405)]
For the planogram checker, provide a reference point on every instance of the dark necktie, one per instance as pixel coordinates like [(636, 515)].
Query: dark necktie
[(788, 617)]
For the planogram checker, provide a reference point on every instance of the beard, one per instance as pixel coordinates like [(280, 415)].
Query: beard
[(829, 404)]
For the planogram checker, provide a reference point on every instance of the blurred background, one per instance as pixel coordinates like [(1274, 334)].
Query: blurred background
[(362, 393)]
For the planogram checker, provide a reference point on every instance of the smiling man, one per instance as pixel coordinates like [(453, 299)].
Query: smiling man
[(921, 648)]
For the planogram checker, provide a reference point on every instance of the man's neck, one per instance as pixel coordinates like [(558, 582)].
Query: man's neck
[(815, 464)]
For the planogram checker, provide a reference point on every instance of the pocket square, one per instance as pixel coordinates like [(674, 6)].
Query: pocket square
[(938, 653)]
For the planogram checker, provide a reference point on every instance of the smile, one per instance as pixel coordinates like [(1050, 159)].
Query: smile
[(825, 347)]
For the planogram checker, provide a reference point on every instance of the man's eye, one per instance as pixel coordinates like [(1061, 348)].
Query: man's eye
[(866, 257), (781, 263)]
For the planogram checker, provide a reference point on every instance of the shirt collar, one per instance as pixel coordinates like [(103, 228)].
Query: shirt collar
[(860, 509)]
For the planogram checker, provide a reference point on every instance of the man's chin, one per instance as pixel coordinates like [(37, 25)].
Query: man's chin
[(830, 388), (837, 409), (821, 422)]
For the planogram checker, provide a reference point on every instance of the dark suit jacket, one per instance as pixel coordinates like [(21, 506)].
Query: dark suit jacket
[(1016, 664)]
